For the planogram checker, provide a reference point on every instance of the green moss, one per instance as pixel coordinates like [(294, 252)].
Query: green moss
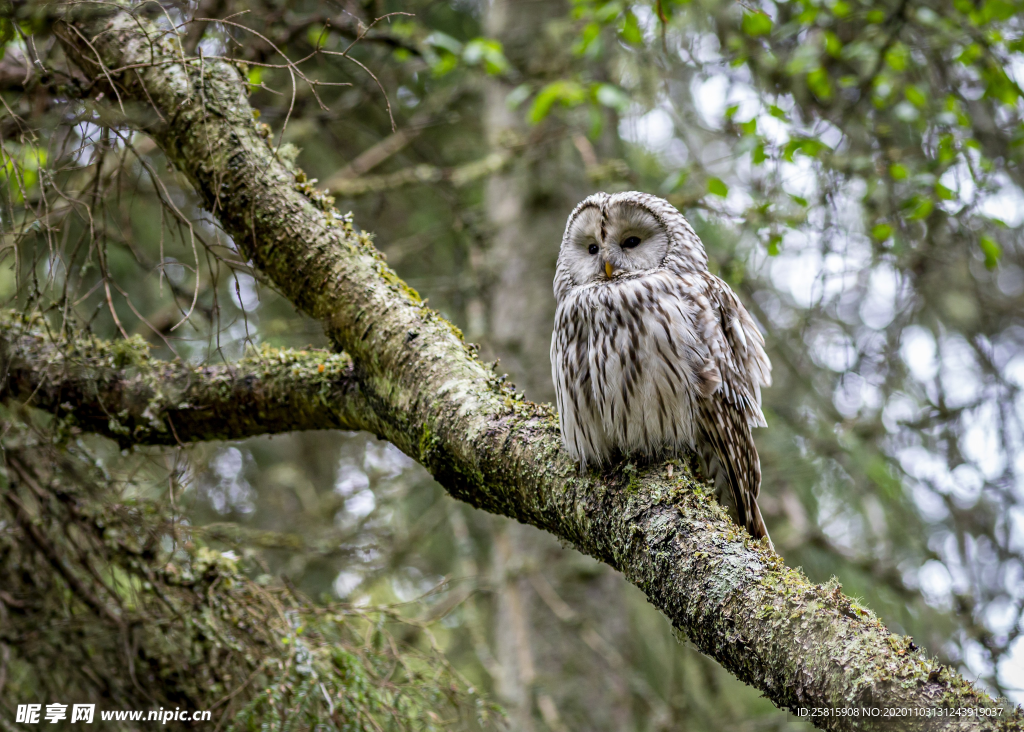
[(427, 443), (398, 283), (633, 482)]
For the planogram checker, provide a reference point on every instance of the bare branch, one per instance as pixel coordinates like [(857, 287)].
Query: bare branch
[(342, 185)]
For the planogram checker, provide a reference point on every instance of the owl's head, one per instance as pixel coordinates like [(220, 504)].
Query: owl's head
[(609, 236)]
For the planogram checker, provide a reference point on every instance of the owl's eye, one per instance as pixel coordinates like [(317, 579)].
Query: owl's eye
[(631, 242), (593, 248)]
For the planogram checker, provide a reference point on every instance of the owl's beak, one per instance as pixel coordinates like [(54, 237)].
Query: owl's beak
[(608, 269)]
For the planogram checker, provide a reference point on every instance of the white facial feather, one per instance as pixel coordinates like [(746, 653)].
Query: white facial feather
[(583, 233)]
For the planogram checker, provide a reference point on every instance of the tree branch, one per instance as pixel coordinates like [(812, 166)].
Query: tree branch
[(803, 645), (117, 390), (342, 185)]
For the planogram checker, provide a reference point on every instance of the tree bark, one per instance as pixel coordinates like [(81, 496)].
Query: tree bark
[(803, 645), (117, 390)]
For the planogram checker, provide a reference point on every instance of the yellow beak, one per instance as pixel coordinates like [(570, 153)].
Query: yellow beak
[(608, 269)]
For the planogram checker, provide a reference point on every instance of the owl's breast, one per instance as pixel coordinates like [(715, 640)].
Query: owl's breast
[(628, 366)]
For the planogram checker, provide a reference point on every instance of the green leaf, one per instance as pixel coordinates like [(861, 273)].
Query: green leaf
[(898, 172), (566, 93), (318, 35), (749, 127), (758, 154), (807, 16), (896, 57), (1000, 10), (881, 232), (806, 145), (999, 86), (630, 31), (443, 41), (970, 54), (819, 83), (944, 193), (589, 34), (992, 251), (445, 64), (756, 24), (596, 120), (915, 96), (517, 96), (613, 97), (489, 51), (773, 245), (731, 111), (833, 46), (921, 208), (947, 149), (608, 12), (717, 187), (678, 181), (880, 472), (778, 113)]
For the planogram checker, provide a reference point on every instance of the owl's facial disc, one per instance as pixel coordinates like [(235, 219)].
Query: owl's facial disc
[(604, 243)]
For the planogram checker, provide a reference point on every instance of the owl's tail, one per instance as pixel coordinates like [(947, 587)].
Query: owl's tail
[(730, 457), (757, 528)]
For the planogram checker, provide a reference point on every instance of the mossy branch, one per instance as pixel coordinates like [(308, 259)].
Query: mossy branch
[(116, 389), (803, 645)]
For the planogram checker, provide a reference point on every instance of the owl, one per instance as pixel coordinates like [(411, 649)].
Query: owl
[(652, 354)]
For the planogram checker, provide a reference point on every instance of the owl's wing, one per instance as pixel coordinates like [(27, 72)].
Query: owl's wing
[(737, 348), (728, 450)]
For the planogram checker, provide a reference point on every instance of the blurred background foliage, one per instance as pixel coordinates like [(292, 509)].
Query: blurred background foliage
[(853, 167)]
